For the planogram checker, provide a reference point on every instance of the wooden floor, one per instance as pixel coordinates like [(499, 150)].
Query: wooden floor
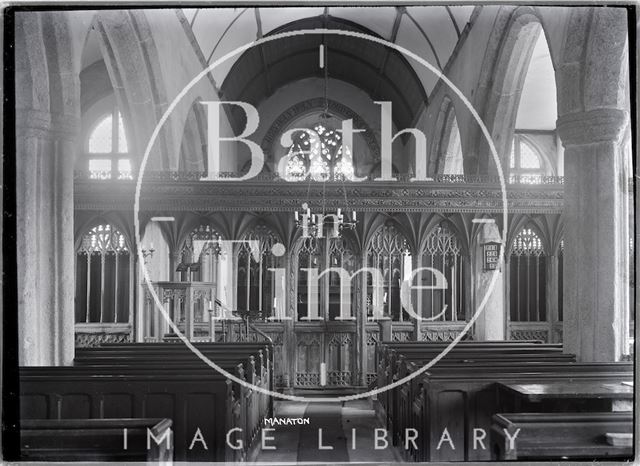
[(299, 444)]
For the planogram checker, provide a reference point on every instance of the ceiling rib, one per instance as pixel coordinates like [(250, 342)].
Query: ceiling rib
[(453, 20), (195, 15), (224, 34), (426, 37), (265, 66), (394, 35)]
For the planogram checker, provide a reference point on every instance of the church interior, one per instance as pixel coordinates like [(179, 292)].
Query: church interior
[(432, 260)]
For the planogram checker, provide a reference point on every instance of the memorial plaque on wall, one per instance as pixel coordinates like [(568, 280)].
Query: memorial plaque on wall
[(490, 255)]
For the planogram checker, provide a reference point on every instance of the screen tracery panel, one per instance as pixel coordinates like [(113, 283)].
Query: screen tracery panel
[(388, 252), (103, 270), (201, 246), (329, 292), (255, 288), (442, 251), (528, 278)]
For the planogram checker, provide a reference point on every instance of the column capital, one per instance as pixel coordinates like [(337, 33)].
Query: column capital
[(593, 126), (36, 123)]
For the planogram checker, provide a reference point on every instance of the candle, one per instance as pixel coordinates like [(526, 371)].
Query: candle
[(339, 212), (354, 215), (296, 215), (210, 305)]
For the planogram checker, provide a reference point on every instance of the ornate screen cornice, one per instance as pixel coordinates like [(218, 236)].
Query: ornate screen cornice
[(473, 194)]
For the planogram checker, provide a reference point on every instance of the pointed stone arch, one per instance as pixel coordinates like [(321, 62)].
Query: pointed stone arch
[(447, 158)]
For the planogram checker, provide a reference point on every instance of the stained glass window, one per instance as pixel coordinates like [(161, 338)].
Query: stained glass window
[(318, 153)]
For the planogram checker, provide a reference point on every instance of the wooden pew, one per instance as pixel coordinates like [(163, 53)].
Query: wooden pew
[(464, 400), (131, 383), (193, 400), (256, 358), (560, 436), (417, 354), (90, 440), (219, 353), (462, 396)]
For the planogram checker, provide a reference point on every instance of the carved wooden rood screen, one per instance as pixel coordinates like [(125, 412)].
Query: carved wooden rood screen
[(325, 347)]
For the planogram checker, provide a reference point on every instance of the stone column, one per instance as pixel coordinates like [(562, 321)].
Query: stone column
[(44, 183), (490, 325), (594, 250)]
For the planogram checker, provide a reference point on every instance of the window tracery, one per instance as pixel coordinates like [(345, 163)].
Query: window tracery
[(201, 246), (108, 149), (318, 153), (255, 283), (525, 163), (328, 294)]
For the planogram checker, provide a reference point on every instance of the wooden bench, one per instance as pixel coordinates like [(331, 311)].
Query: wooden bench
[(559, 436), (394, 363), (464, 400), (463, 396), (90, 440), (257, 359), (164, 381)]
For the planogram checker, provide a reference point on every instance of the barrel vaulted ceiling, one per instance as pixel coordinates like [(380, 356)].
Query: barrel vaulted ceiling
[(430, 31)]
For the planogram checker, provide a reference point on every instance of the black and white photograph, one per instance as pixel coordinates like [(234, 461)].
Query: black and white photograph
[(290, 233)]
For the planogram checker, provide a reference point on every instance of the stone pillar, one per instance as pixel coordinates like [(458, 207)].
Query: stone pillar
[(594, 249), (491, 323), (44, 183)]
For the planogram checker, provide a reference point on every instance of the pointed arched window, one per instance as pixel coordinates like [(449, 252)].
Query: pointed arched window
[(525, 163), (108, 149)]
